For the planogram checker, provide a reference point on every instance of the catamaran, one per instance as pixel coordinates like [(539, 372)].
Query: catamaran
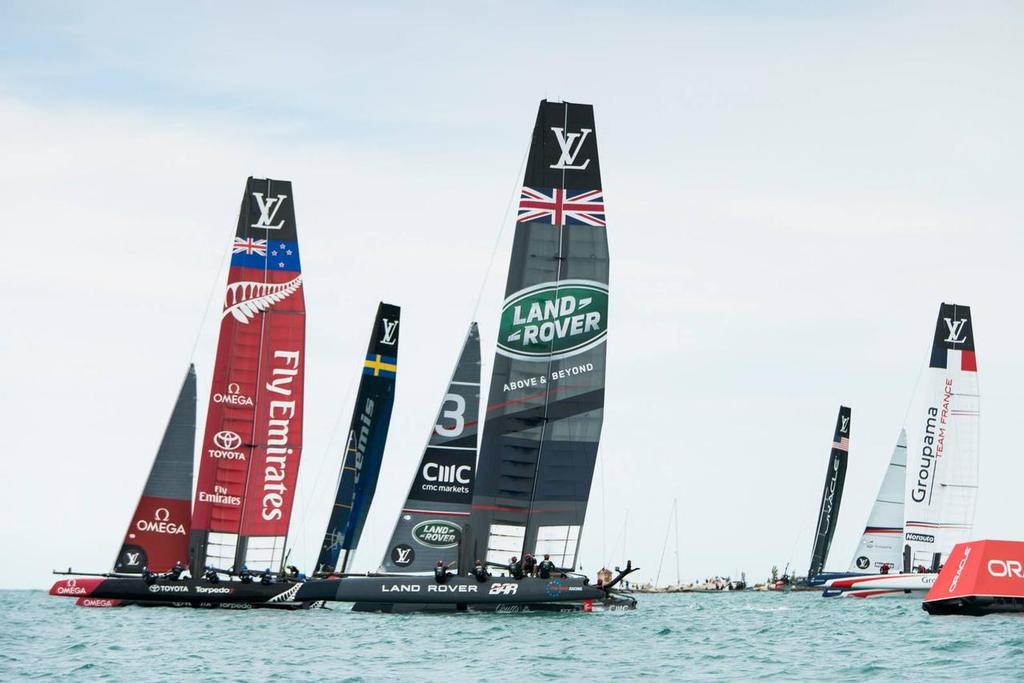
[(925, 505), (529, 490), (251, 447)]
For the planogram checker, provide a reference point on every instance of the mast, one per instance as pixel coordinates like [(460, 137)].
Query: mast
[(546, 400), (253, 440), (832, 493), (942, 456), (364, 450), (431, 525), (881, 543), (157, 535)]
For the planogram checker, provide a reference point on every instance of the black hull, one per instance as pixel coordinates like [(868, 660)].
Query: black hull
[(401, 594), (120, 592), (391, 594), (975, 606)]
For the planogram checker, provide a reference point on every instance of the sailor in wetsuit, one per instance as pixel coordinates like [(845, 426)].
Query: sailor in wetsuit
[(266, 578), (148, 576), (515, 568), (441, 572), (176, 571), (245, 575), (211, 575), (529, 565), (480, 571), (545, 567)]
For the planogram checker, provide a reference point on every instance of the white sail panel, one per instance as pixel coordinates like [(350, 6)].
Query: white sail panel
[(881, 543)]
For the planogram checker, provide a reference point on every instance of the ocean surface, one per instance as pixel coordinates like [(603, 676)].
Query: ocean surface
[(728, 636)]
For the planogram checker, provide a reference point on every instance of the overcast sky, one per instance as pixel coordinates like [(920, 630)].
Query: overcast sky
[(791, 191)]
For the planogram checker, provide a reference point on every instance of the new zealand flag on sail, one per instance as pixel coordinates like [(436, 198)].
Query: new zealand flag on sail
[(266, 254)]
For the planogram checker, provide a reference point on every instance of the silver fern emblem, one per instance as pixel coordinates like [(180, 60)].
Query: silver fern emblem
[(287, 595), (243, 300)]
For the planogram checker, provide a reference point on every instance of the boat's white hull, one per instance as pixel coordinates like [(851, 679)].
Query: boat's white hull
[(880, 585)]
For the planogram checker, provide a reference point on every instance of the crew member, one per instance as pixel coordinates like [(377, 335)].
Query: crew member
[(148, 576), (480, 571), (441, 572), (885, 567), (176, 571), (245, 574), (529, 565), (294, 574), (266, 578), (515, 568), (545, 567), (211, 575)]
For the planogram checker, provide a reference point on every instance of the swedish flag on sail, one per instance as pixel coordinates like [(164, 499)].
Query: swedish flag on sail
[(380, 366)]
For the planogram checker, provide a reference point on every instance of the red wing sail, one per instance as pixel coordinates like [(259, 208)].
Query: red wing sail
[(253, 440), (157, 536)]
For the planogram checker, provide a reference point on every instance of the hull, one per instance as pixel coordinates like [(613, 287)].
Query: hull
[(120, 592), (397, 594), (975, 605), (981, 577), (879, 585)]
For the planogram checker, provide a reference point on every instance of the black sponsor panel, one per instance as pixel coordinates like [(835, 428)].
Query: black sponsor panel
[(444, 476), (268, 211), (842, 425), (403, 555), (563, 152), (953, 331), (384, 340), (131, 559)]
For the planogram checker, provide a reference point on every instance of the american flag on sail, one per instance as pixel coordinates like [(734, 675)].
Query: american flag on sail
[(843, 444), (561, 207), (249, 247)]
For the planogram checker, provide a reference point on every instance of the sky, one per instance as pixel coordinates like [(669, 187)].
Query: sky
[(791, 190)]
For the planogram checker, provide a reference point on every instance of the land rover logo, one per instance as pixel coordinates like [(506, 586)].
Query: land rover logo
[(554, 320), (437, 533)]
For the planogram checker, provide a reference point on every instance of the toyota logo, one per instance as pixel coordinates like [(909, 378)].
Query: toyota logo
[(226, 440)]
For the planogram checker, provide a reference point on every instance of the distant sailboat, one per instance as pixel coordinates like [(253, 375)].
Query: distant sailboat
[(364, 450), (832, 493), (941, 470)]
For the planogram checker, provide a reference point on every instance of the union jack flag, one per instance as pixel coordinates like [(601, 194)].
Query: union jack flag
[(561, 207), (249, 246)]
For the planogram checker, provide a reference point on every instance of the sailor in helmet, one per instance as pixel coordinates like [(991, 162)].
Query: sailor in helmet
[(545, 567), (529, 564), (515, 568), (245, 575), (480, 571), (441, 572), (211, 574)]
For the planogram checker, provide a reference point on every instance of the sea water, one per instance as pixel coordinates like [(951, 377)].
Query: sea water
[(724, 636)]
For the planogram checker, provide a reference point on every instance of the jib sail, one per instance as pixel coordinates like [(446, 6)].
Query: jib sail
[(942, 453), (157, 536), (546, 400), (253, 440), (431, 524), (881, 543), (367, 436), (832, 494)]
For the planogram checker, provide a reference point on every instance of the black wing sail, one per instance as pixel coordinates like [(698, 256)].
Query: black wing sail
[(367, 436), (832, 494), (431, 524), (546, 401)]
